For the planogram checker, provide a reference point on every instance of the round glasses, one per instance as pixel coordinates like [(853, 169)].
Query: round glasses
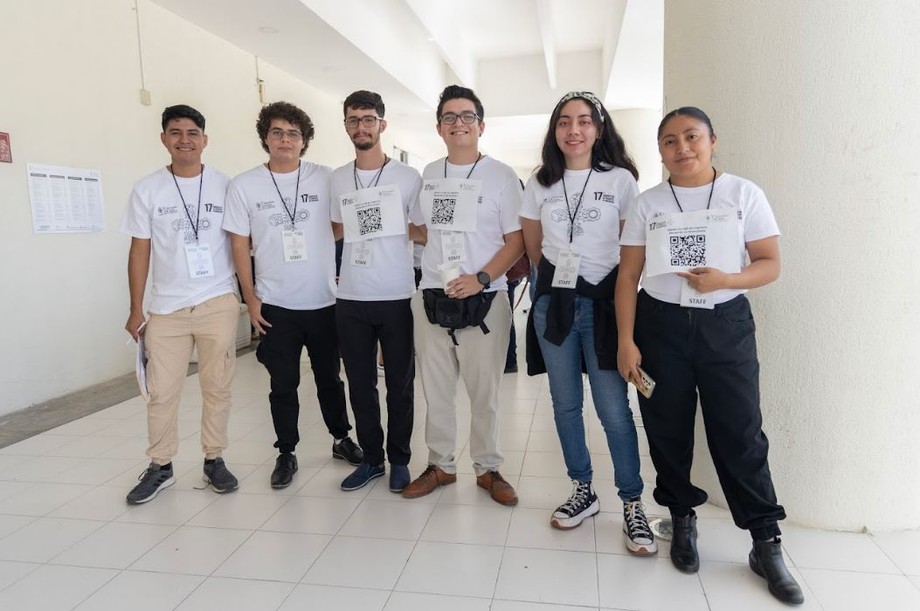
[(278, 134)]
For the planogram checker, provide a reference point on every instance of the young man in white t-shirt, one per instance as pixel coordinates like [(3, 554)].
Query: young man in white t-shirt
[(371, 199), (281, 211), (174, 219), (472, 241)]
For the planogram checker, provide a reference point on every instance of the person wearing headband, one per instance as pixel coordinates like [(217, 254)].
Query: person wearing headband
[(572, 215)]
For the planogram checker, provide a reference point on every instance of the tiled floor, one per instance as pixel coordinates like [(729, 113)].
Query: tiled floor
[(68, 540)]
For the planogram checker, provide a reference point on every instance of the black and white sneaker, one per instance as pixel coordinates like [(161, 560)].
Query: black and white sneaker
[(154, 479), (582, 504), (639, 537)]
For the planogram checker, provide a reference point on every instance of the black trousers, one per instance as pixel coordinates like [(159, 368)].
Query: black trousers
[(361, 324), (280, 351), (713, 352)]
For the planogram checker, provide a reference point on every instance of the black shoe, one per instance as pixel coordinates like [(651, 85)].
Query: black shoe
[(220, 478), (285, 468), (154, 479), (348, 451), (684, 555), (766, 559)]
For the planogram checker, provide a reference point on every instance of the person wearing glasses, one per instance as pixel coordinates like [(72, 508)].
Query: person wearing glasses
[(371, 199), (173, 218), (281, 210), (700, 240), (574, 208), (469, 206)]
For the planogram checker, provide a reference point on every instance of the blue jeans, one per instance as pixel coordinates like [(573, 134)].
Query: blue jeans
[(608, 389)]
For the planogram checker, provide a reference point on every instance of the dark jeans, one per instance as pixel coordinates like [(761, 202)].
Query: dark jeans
[(280, 351), (714, 352), (361, 324)]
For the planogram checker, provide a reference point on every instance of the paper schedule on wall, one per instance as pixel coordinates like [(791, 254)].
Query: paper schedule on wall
[(65, 200)]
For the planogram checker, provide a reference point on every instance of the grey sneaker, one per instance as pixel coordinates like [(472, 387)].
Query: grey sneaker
[(220, 478), (152, 480)]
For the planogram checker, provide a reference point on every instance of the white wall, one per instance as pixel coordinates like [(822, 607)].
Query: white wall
[(817, 103), (70, 82)]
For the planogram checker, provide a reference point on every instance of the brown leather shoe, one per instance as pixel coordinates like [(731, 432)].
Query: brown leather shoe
[(428, 482), (501, 491)]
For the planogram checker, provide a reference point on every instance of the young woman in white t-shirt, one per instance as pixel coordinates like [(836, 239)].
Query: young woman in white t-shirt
[(571, 217), (701, 341)]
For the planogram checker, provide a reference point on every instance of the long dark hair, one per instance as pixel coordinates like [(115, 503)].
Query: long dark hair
[(608, 152)]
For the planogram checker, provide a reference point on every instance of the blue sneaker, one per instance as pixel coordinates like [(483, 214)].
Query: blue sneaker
[(361, 476), (399, 477)]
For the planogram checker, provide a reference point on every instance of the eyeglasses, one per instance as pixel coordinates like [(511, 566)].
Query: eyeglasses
[(465, 117), (278, 134), (366, 121)]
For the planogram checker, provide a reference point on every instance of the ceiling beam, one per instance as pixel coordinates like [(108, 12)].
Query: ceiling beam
[(545, 19), (439, 22)]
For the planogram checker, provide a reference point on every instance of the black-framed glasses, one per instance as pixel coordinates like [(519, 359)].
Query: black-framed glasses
[(466, 118), (366, 121), (278, 133)]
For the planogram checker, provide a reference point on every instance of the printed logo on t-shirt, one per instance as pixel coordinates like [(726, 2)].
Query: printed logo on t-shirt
[(180, 224), (284, 219), (584, 215), (265, 205), (166, 210), (607, 198), (214, 208)]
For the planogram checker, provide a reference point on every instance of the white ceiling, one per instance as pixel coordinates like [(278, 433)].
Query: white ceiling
[(509, 51)]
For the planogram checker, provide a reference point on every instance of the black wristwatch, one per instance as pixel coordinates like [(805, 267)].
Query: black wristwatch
[(484, 279)]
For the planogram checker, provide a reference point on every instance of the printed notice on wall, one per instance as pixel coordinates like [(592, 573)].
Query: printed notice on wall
[(65, 200)]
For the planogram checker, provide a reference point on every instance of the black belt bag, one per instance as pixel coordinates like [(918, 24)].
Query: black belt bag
[(453, 314)]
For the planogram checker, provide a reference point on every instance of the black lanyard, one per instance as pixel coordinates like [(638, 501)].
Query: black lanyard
[(296, 195), (471, 169), (711, 188), (184, 206), (375, 180), (568, 209)]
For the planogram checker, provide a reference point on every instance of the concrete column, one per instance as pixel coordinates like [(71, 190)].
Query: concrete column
[(819, 103)]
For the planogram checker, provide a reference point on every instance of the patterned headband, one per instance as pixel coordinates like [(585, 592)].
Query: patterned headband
[(585, 95)]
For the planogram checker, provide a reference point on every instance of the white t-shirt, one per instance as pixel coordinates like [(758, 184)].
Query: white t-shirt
[(596, 232), (254, 209), (733, 192), (497, 214), (155, 213), (389, 275)]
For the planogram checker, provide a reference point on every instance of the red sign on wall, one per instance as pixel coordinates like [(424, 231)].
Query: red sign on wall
[(6, 152)]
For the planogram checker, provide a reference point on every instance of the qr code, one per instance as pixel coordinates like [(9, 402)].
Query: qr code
[(442, 210), (369, 220), (688, 250)]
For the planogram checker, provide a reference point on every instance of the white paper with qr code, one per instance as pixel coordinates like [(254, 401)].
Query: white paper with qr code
[(376, 212), (680, 242), (450, 204)]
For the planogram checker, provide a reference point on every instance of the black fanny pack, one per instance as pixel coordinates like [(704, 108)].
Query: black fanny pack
[(453, 314)]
